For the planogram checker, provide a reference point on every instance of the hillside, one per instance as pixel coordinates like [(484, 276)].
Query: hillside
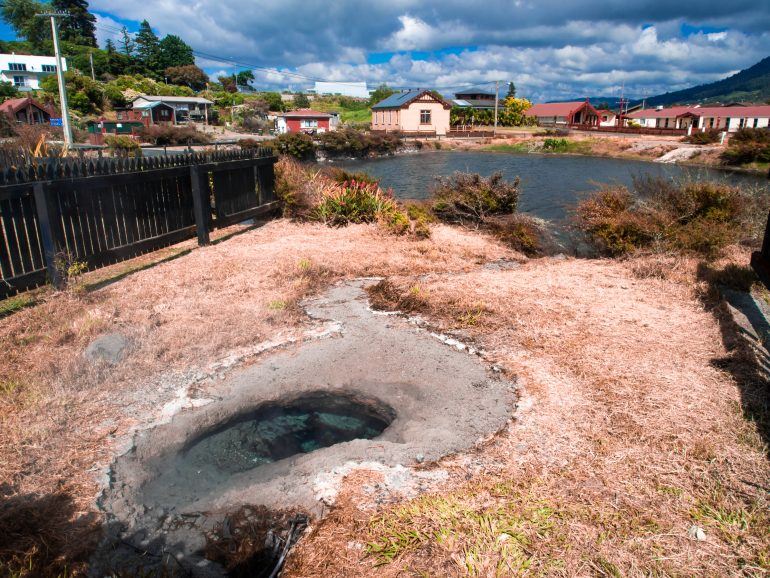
[(752, 85)]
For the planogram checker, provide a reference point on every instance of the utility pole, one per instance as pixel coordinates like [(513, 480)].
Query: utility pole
[(65, 114), (497, 98), (91, 60)]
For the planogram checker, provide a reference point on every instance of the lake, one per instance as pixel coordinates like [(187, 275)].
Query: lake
[(550, 184)]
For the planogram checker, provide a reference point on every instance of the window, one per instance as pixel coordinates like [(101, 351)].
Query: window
[(756, 123), (711, 122), (424, 117), (120, 116), (741, 123), (667, 123), (309, 123), (727, 123), (20, 81), (49, 68), (17, 66)]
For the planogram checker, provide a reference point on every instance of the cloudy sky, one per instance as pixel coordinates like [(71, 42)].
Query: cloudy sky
[(552, 49)]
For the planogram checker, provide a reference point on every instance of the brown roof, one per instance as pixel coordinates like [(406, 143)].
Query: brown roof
[(14, 105), (557, 108), (723, 111), (306, 113)]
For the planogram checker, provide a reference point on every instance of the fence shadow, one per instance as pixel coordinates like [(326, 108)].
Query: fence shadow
[(43, 534), (745, 330)]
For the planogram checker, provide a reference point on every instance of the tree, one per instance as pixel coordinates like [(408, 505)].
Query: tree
[(175, 52), (273, 100), (126, 42), (7, 90), (511, 90), (244, 77), (301, 100), (84, 95), (20, 14), (148, 47), (189, 75), (228, 83), (380, 93), (80, 26), (513, 113)]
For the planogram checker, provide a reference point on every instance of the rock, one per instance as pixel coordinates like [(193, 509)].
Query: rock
[(696, 533), (420, 458), (109, 348)]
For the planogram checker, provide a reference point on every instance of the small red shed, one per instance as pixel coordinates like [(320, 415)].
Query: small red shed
[(304, 120)]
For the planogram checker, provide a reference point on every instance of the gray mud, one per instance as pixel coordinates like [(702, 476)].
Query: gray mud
[(440, 399)]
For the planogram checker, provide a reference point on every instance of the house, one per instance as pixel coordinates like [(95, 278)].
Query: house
[(607, 117), (352, 89), (185, 108), (578, 113), (149, 113), (28, 111), (98, 129), (477, 99), (725, 118), (25, 71), (412, 112), (303, 120)]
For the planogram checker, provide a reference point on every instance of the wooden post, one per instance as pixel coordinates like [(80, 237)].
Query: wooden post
[(46, 214), (201, 203)]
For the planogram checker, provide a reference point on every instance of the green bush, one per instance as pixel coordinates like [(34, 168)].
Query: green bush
[(354, 202), (710, 136), (169, 135), (522, 233), (339, 175), (295, 144), (748, 145), (470, 198), (357, 143), (122, 144)]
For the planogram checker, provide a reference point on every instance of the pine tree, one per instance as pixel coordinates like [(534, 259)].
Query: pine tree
[(80, 26), (175, 52), (511, 90), (126, 42), (109, 46), (148, 48), (20, 14)]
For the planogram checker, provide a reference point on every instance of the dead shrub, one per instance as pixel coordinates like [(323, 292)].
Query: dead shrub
[(387, 296), (691, 216), (469, 198), (522, 233)]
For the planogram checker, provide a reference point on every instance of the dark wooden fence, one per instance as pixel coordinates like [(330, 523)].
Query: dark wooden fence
[(760, 260), (101, 211)]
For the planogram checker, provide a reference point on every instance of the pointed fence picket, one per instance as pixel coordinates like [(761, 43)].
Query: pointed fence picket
[(102, 210)]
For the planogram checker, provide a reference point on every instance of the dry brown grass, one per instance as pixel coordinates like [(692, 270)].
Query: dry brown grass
[(62, 418), (630, 429), (628, 434)]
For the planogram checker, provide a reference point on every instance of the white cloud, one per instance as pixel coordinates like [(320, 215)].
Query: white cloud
[(550, 48)]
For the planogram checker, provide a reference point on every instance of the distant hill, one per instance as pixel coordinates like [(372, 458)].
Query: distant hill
[(750, 85)]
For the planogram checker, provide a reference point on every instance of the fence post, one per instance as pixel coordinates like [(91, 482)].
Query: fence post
[(47, 212), (201, 203), (760, 260), (266, 180)]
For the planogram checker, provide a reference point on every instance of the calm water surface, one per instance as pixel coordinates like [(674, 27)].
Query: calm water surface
[(550, 184)]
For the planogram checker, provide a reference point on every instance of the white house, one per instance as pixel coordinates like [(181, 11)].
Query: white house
[(354, 89), (25, 71), (726, 118)]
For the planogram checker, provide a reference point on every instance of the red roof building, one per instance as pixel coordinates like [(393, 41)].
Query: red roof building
[(729, 118), (578, 113), (27, 111), (304, 120)]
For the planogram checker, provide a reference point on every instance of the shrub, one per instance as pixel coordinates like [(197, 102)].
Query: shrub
[(693, 216), (353, 202), (295, 144), (710, 136), (357, 143), (339, 175), (169, 135), (521, 232), (471, 198), (122, 144), (748, 145)]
